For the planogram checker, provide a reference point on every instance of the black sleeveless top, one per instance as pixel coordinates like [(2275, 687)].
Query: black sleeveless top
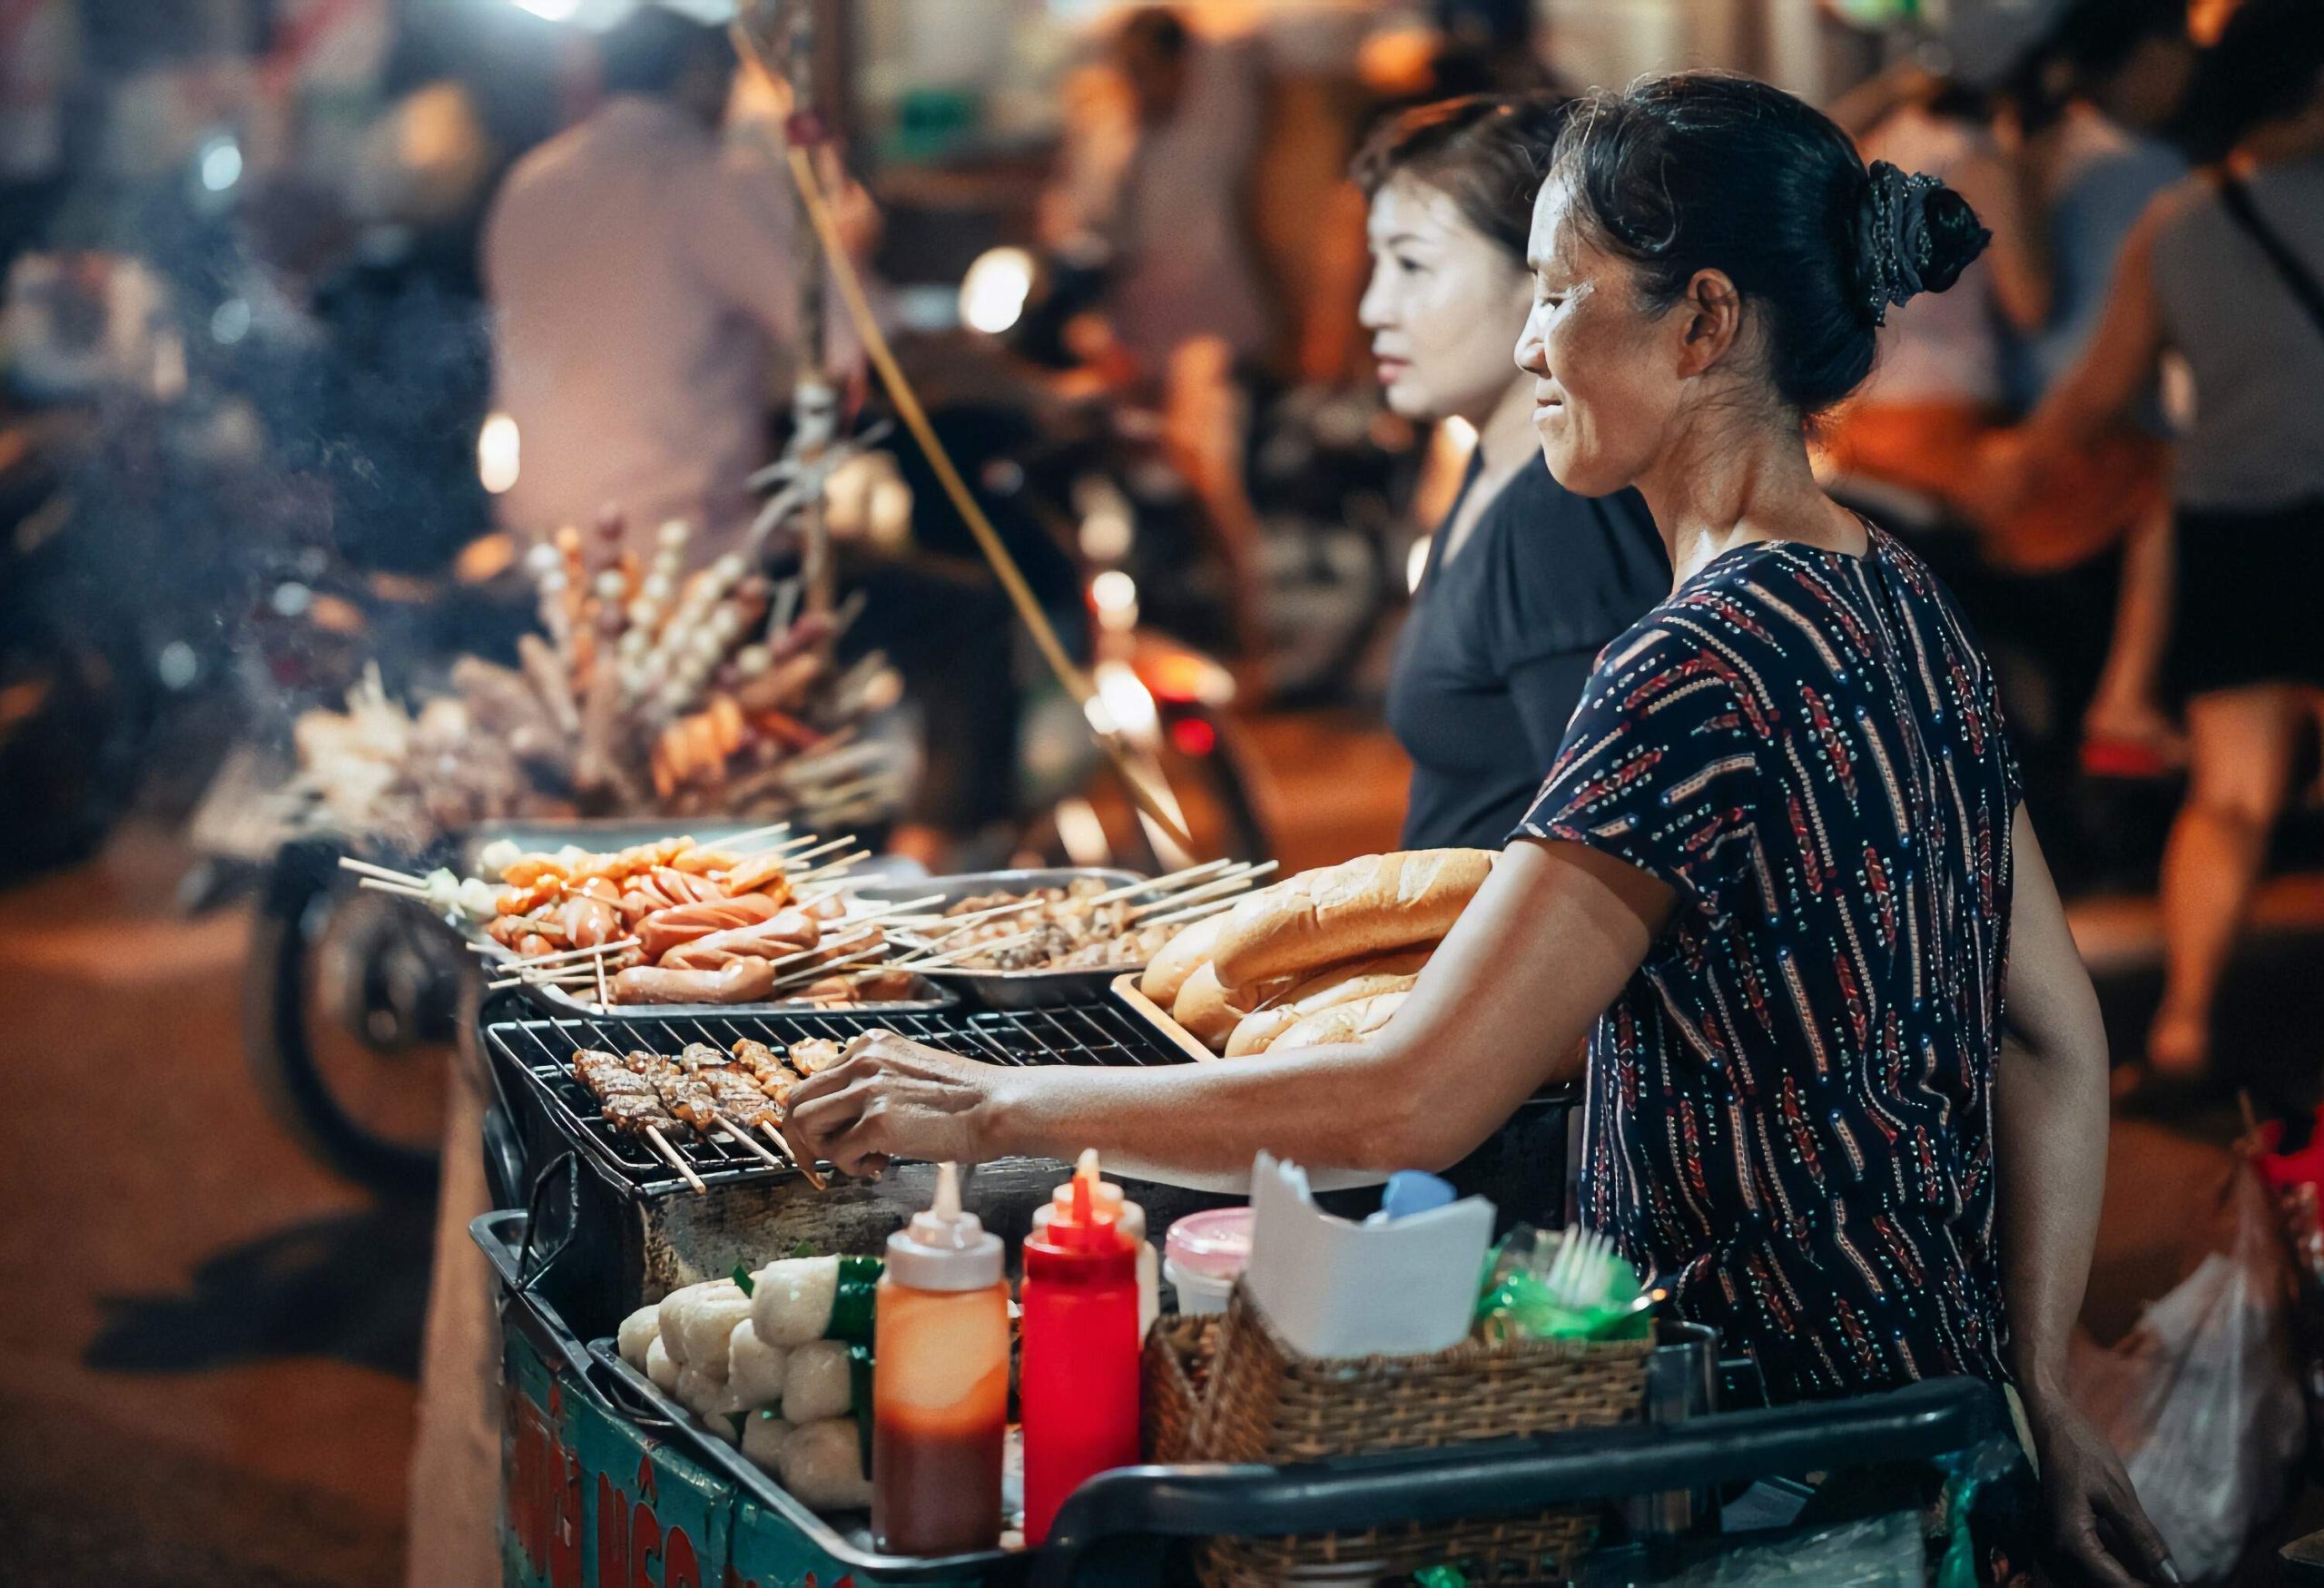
[(1500, 642)]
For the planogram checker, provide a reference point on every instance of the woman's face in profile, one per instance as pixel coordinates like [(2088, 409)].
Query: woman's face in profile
[(1605, 391), (1441, 304)]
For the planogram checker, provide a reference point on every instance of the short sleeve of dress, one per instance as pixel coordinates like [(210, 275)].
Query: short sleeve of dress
[(1566, 573), (1659, 769)]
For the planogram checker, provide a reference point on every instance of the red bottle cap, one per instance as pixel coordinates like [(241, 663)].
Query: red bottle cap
[(1088, 1232)]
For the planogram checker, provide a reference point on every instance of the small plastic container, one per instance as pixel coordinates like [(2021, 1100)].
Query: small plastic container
[(1203, 1256)]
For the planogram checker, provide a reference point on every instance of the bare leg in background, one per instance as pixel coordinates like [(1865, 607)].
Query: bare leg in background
[(2128, 704), (2242, 742)]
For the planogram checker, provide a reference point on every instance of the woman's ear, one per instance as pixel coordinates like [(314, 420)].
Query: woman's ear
[(1710, 316)]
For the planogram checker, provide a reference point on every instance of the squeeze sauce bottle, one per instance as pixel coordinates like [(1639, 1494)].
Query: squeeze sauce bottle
[(1079, 1383), (940, 1391), (1112, 1204)]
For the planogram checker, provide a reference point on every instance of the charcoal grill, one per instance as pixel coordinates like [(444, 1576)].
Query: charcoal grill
[(541, 1051), (623, 1227)]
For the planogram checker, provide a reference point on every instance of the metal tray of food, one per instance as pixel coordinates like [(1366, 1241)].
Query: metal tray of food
[(885, 877), (1013, 989), (844, 1535), (928, 995)]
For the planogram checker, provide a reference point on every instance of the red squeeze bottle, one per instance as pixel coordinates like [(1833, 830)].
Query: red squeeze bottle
[(1079, 1382)]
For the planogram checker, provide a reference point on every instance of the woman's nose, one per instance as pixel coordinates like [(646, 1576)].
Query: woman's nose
[(1530, 353)]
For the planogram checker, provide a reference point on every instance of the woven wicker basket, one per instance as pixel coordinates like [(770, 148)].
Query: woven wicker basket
[(1262, 1402), (1179, 1352)]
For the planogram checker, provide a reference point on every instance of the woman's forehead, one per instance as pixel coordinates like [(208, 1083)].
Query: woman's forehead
[(1409, 206), (1555, 237)]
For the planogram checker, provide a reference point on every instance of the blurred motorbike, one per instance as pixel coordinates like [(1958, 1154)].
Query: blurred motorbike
[(1079, 482)]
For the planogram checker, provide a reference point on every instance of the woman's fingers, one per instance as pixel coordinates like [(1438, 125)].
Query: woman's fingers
[(2141, 1547)]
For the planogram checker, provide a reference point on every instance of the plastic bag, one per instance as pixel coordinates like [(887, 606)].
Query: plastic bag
[(2200, 1399)]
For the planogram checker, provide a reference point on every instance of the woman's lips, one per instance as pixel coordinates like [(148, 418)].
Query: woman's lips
[(1392, 370)]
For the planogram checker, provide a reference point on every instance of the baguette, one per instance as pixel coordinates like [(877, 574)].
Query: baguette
[(1343, 1022), (1359, 979), (1210, 1013), (1369, 905), (1167, 971)]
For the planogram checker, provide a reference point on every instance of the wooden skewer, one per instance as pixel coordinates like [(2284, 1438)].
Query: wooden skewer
[(592, 951), (398, 889), (877, 909), (949, 924), (926, 960), (817, 973), (785, 848), (799, 1160), (752, 834), (830, 868), (1131, 890), (1240, 883), (820, 849), (577, 977), (742, 1138), (1195, 913), (365, 868), (662, 1142), (821, 948)]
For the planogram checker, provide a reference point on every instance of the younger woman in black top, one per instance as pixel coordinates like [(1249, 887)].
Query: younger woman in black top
[(1525, 580)]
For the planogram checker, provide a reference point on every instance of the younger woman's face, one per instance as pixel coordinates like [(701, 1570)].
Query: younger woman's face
[(1607, 382), (1443, 300)]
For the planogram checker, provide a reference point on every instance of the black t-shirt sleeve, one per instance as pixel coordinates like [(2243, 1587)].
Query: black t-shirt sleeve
[(1545, 691), (1566, 573), (1661, 770)]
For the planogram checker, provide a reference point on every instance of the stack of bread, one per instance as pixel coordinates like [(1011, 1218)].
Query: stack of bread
[(1326, 956)]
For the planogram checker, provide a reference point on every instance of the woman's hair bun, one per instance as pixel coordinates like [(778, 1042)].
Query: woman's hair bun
[(1699, 171), (1914, 235)]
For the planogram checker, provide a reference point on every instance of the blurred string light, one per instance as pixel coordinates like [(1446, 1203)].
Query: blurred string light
[(498, 450), (229, 322), (600, 15), (993, 292), (1115, 595), (219, 163)]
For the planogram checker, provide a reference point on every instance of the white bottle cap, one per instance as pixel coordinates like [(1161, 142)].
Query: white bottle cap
[(945, 1248)]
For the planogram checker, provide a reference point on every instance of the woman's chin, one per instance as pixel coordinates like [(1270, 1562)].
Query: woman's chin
[(1407, 400), (1584, 477)]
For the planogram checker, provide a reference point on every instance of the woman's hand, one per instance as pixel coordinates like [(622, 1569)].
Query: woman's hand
[(2094, 1513), (888, 1098)]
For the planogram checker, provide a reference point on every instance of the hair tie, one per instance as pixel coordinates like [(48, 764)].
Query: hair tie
[(1894, 246)]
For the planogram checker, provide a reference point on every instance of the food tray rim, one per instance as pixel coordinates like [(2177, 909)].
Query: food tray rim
[(754, 1484)]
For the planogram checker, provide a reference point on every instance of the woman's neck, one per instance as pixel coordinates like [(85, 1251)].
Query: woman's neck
[(1506, 440), (1733, 483)]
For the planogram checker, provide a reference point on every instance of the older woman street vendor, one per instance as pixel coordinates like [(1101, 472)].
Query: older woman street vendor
[(1847, 1082)]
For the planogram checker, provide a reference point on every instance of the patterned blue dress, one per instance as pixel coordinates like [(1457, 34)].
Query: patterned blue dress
[(1790, 1106)]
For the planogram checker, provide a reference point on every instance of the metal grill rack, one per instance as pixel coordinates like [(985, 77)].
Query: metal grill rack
[(541, 1051)]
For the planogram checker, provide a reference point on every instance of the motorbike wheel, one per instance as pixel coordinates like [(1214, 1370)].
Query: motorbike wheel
[(360, 1085)]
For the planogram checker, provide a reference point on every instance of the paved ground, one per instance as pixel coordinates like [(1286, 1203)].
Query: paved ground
[(205, 1364)]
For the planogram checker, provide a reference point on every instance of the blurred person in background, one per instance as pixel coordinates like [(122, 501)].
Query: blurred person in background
[(1525, 580), (2223, 270), (1938, 385), (644, 281), (1153, 178), (2088, 116)]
